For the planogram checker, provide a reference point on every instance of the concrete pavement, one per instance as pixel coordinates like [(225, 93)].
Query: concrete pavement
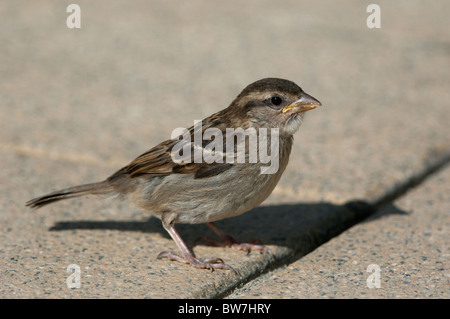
[(77, 104), (402, 251)]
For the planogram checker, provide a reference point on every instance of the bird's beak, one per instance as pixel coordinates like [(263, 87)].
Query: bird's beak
[(304, 103)]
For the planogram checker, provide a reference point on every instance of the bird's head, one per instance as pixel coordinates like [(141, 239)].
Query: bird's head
[(273, 103)]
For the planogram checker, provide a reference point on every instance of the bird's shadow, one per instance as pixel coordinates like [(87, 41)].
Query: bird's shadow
[(301, 227)]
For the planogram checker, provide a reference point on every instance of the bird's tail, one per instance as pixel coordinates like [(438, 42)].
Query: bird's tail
[(95, 188)]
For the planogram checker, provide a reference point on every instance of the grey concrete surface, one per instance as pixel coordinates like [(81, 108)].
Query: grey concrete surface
[(78, 104), (406, 241)]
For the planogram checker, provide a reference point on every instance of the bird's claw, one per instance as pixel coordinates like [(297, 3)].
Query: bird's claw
[(211, 264), (230, 242)]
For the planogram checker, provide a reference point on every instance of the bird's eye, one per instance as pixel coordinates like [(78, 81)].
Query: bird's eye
[(276, 100)]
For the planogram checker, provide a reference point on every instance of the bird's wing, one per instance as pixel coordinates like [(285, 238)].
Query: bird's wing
[(158, 162), (155, 161)]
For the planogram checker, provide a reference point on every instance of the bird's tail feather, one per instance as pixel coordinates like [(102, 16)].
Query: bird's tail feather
[(94, 188)]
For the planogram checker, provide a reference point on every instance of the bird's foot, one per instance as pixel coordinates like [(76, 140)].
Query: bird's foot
[(228, 241), (211, 264)]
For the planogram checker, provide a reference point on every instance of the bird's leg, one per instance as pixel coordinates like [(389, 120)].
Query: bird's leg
[(228, 241), (188, 257)]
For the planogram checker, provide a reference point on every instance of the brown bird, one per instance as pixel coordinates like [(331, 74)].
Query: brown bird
[(193, 191)]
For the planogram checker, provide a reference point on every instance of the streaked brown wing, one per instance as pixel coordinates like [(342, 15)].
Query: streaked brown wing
[(158, 161)]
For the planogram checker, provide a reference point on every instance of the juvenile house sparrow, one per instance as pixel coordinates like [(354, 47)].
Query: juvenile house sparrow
[(195, 192)]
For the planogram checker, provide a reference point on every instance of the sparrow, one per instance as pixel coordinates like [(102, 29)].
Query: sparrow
[(194, 191)]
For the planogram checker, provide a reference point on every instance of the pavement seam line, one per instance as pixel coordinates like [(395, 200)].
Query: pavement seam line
[(361, 209), (361, 212), (56, 155), (432, 166), (81, 158)]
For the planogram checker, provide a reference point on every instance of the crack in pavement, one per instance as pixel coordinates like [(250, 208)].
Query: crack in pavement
[(352, 213)]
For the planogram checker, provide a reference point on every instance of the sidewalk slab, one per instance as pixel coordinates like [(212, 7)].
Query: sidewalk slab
[(79, 104), (407, 243)]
